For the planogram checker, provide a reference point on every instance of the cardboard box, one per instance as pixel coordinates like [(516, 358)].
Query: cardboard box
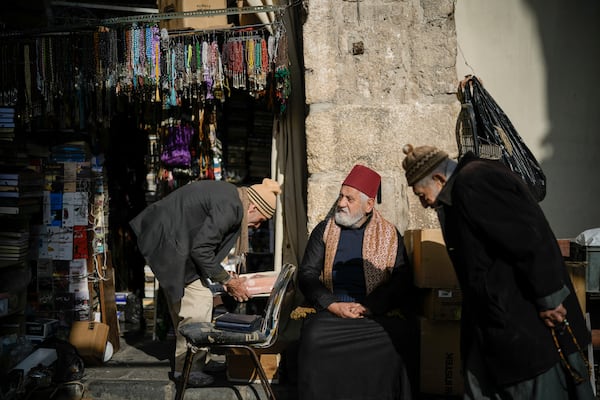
[(440, 362), (42, 327), (253, 18), (89, 337), (441, 304), (427, 252), (200, 22), (250, 19), (240, 368), (591, 255), (577, 272)]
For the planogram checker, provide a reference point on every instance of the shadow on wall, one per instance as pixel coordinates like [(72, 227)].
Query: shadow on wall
[(568, 36)]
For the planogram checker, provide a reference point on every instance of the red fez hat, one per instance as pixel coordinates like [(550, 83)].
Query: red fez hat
[(363, 179)]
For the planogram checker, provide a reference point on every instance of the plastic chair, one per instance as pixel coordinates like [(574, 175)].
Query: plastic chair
[(205, 335)]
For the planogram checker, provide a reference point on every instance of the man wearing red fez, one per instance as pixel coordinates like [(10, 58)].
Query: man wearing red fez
[(355, 275)]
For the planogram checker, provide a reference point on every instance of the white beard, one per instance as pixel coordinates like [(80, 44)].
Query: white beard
[(347, 220)]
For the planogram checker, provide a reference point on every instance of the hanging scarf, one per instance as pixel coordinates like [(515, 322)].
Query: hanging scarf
[(379, 248)]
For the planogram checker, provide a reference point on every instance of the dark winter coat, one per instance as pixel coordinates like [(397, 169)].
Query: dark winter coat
[(509, 266), (187, 234)]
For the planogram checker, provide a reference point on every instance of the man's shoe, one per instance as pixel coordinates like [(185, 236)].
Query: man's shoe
[(196, 379)]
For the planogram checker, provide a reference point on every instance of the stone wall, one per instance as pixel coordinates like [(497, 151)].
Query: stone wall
[(379, 74)]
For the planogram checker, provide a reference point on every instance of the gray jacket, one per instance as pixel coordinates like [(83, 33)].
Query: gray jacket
[(187, 234)]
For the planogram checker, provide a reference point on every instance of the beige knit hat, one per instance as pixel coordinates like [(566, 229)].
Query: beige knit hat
[(420, 161), (264, 196)]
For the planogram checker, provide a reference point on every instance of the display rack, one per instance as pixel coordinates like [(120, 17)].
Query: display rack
[(148, 18)]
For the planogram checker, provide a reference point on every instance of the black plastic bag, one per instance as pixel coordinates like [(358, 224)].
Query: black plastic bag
[(483, 128)]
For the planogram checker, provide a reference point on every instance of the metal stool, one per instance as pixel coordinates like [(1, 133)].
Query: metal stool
[(205, 335)]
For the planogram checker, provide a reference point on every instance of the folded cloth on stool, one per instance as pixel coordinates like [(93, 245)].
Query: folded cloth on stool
[(238, 322)]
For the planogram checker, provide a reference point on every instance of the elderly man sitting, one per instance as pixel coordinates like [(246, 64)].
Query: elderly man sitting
[(355, 274)]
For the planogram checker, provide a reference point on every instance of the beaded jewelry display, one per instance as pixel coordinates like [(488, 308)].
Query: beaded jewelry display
[(143, 63)]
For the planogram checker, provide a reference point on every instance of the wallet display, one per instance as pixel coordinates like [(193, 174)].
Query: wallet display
[(238, 322)]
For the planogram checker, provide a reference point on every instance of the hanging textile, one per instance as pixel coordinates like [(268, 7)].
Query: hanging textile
[(176, 147), (282, 69)]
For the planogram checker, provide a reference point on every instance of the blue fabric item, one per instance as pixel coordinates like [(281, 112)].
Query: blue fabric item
[(238, 322), (348, 273)]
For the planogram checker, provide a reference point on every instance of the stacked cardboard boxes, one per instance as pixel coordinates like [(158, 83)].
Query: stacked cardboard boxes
[(440, 370), (427, 252), (441, 304), (440, 362)]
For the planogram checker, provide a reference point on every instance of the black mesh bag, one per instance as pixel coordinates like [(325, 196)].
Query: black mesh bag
[(483, 128)]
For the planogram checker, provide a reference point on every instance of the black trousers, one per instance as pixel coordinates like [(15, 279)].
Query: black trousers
[(360, 359)]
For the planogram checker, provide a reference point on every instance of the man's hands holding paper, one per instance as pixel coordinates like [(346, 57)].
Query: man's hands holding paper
[(236, 287)]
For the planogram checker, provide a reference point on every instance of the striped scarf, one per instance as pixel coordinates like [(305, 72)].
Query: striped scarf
[(241, 247), (380, 245)]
